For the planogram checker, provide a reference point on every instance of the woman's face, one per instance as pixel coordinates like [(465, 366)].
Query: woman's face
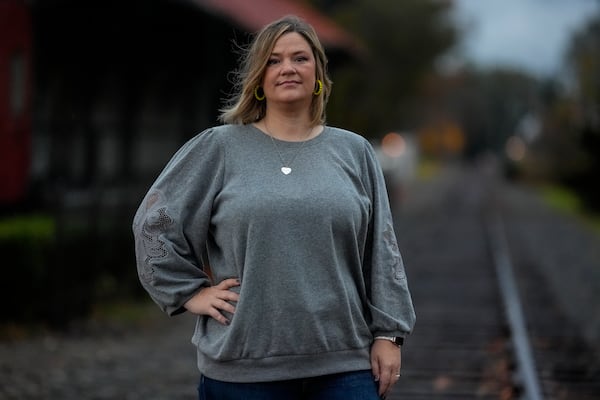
[(290, 73)]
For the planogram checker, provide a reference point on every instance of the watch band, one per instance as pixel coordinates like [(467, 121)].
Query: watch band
[(397, 340)]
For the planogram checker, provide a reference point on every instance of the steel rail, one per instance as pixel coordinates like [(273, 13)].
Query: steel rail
[(526, 367)]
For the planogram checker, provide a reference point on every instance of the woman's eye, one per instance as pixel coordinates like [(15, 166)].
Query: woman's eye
[(272, 61)]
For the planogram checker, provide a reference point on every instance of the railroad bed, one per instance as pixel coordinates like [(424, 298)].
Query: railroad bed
[(464, 346)]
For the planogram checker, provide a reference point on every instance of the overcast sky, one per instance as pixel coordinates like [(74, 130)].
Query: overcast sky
[(529, 34)]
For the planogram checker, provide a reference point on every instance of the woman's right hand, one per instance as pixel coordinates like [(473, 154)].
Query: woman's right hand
[(214, 300)]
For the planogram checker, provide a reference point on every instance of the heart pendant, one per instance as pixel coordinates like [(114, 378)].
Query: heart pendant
[(286, 170)]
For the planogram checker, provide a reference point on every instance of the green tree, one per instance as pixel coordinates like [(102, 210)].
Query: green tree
[(401, 41), (491, 104), (584, 61)]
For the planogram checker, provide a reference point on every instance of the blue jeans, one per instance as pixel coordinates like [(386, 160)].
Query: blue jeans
[(358, 385)]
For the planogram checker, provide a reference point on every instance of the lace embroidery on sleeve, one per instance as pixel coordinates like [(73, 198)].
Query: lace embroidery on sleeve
[(155, 221), (390, 241)]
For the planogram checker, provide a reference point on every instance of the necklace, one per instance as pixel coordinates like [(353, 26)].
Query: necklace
[(286, 168)]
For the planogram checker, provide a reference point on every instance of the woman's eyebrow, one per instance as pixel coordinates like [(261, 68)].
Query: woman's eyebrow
[(295, 53)]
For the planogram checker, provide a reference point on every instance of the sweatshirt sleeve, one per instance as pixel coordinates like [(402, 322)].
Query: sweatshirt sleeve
[(390, 303), (171, 225)]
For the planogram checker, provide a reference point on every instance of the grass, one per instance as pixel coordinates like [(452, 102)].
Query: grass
[(125, 312), (114, 316), (427, 169), (27, 226), (569, 202), (561, 198)]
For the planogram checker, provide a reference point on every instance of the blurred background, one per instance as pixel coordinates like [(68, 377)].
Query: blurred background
[(95, 97)]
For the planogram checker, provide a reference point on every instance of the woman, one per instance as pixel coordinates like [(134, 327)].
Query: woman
[(307, 296)]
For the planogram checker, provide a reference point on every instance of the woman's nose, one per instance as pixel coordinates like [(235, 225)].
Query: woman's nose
[(287, 67)]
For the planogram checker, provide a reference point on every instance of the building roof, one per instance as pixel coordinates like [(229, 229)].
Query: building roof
[(253, 15)]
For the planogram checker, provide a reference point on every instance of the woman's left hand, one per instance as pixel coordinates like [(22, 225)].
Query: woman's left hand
[(386, 360)]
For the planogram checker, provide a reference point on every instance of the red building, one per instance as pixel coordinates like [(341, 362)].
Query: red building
[(15, 96), (117, 87)]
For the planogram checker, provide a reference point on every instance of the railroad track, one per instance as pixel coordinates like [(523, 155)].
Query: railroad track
[(463, 346), (487, 327)]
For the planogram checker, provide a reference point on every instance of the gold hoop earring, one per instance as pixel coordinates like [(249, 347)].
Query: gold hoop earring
[(318, 88), (257, 96)]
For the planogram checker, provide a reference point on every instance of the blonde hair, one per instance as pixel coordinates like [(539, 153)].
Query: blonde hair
[(243, 107)]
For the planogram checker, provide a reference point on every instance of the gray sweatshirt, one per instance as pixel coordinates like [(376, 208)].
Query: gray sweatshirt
[(315, 251)]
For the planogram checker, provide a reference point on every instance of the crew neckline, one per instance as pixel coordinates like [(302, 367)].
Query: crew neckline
[(307, 142)]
